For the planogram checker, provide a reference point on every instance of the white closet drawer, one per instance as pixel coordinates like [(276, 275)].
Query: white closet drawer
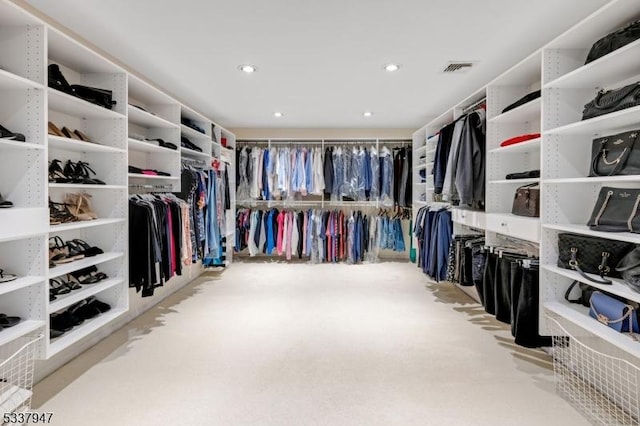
[(469, 218), (526, 228)]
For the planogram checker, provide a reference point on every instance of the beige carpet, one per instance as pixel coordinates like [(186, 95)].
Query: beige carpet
[(298, 344)]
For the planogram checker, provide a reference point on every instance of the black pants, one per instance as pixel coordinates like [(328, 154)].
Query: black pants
[(506, 270), (487, 293), (526, 307)]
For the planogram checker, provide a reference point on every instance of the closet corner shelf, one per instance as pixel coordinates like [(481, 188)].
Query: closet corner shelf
[(142, 146), (13, 145), (83, 263), (619, 65), (143, 176), (12, 81), (618, 287), (20, 283), (584, 230), (194, 134), (21, 329), (524, 113), (84, 186), (192, 153), (605, 123), (148, 120), (83, 330), (595, 179), (515, 181), (62, 102), (79, 146), (579, 316), (83, 224), (519, 148), (86, 291)]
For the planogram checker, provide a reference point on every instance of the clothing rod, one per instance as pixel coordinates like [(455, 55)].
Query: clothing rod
[(474, 105)]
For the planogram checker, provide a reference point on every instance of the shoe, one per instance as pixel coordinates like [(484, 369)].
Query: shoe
[(9, 135), (88, 250), (82, 136), (5, 204), (5, 278), (73, 250), (81, 172), (70, 134), (58, 287), (56, 174), (58, 253), (80, 206), (6, 322), (54, 130), (89, 275), (60, 213), (72, 283)]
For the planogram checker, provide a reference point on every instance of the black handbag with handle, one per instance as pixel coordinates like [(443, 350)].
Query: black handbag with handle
[(591, 255), (616, 210), (616, 155), (609, 101), (527, 201), (100, 97), (614, 41), (629, 268)]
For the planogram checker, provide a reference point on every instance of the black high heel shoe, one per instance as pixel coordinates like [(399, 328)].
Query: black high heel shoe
[(56, 174), (9, 135), (60, 213), (81, 172)]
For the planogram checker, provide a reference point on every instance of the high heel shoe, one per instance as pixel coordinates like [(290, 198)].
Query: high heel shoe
[(54, 130), (57, 253), (56, 174), (81, 206), (68, 133), (82, 136), (81, 172), (60, 213)]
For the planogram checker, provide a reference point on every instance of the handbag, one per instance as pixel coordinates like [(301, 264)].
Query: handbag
[(524, 175), (527, 201), (616, 155), (629, 268), (616, 210), (591, 255), (56, 80), (612, 100), (585, 294), (100, 97), (614, 41), (523, 100), (613, 313)]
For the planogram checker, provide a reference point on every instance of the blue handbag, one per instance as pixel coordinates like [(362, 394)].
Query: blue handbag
[(613, 313)]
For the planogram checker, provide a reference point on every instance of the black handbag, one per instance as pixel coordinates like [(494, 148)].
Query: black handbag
[(524, 175), (613, 41), (56, 80), (100, 97), (616, 155), (585, 294), (616, 210), (524, 100), (527, 201), (629, 268), (612, 100), (591, 255)]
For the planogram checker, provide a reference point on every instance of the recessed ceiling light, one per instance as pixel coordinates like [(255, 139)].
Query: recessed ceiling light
[(392, 67), (247, 68), (278, 114), (367, 113)]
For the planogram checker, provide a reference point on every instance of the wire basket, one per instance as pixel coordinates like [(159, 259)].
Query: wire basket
[(16, 373), (603, 386)]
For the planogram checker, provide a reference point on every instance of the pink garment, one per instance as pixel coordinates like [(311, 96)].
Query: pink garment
[(289, 234), (280, 232), (285, 246)]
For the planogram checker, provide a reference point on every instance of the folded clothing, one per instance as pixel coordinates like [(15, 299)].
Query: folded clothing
[(185, 142), (523, 100), (524, 175), (150, 172), (522, 138)]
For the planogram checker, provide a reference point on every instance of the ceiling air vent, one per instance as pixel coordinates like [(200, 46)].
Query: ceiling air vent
[(458, 67)]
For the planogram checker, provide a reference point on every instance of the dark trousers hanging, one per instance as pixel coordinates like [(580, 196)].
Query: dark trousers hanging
[(526, 307)]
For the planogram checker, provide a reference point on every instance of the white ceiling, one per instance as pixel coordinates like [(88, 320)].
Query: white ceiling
[(320, 62)]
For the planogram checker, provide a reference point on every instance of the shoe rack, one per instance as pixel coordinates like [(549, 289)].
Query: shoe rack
[(27, 47)]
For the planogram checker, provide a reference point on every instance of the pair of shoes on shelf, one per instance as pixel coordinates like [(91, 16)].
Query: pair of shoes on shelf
[(5, 278), (78, 172), (190, 123), (150, 172), (9, 135), (7, 321), (186, 143), (65, 132), (58, 286), (76, 314), (89, 275), (75, 207), (60, 213), (61, 252), (5, 204)]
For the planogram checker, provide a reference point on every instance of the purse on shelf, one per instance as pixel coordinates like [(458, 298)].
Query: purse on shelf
[(591, 255), (629, 268), (100, 97), (585, 294), (616, 210), (523, 100), (616, 155), (614, 41), (609, 101), (524, 175), (613, 313), (527, 201)]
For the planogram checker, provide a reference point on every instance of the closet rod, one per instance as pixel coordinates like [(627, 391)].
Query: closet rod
[(474, 105)]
